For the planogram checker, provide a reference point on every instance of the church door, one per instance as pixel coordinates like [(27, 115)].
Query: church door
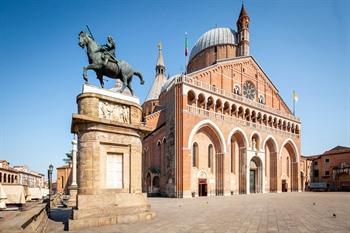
[(202, 187), (252, 181)]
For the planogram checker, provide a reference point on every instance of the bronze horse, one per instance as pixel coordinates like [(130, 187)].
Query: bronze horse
[(113, 69)]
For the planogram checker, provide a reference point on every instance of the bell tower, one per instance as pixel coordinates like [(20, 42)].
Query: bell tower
[(243, 33)]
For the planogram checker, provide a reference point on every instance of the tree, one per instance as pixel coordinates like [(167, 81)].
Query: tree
[(68, 159)]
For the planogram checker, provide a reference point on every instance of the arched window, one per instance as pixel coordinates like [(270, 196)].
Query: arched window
[(195, 155), (261, 99), (8, 178), (0, 177), (210, 156), (191, 97), (287, 166), (62, 182), (5, 177), (237, 90)]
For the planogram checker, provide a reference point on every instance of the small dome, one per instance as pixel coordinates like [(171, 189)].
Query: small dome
[(215, 36)]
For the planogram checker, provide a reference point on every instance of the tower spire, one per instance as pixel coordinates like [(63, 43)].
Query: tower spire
[(160, 67), (160, 78), (243, 32)]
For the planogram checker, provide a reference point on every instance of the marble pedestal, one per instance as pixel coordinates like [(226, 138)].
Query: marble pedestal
[(109, 129)]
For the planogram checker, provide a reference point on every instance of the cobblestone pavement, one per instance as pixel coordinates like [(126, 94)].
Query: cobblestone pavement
[(285, 212)]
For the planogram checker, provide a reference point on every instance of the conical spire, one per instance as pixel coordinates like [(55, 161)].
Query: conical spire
[(243, 14), (160, 67), (160, 78)]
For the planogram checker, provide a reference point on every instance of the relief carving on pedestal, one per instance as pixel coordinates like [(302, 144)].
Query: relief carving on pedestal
[(114, 112)]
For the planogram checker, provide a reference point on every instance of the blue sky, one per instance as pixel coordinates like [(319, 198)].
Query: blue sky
[(301, 45)]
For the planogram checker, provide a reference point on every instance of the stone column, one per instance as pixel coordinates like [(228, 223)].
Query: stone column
[(248, 178), (74, 161), (73, 188)]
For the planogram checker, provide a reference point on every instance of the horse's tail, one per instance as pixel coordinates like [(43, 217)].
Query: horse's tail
[(138, 74)]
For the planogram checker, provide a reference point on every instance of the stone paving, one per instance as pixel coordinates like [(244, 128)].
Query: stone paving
[(285, 212)]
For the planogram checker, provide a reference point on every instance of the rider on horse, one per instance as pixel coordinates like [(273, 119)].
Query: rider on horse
[(108, 51)]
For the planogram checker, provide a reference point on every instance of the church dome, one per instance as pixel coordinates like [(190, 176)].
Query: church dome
[(215, 36)]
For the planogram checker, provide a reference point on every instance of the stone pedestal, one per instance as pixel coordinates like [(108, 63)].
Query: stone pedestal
[(109, 129), (73, 188), (73, 191)]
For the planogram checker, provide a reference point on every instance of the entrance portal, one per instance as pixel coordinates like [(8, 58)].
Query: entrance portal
[(255, 175), (202, 187), (284, 186), (252, 183)]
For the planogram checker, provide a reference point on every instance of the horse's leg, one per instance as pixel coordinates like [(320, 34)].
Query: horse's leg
[(100, 78), (85, 74), (93, 66), (130, 87), (124, 83)]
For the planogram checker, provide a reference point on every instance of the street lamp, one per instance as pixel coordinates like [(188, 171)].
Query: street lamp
[(49, 175)]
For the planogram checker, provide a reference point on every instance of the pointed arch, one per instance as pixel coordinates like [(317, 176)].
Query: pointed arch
[(293, 146), (239, 130), (238, 143), (273, 139), (214, 128), (270, 148), (289, 155)]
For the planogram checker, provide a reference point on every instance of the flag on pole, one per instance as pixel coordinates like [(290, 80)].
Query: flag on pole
[(295, 96), (295, 99), (186, 45)]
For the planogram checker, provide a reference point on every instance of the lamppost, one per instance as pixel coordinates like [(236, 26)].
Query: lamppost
[(49, 175)]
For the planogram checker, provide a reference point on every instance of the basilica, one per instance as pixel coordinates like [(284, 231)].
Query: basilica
[(221, 128)]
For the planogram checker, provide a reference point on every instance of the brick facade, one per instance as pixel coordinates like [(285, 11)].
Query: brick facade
[(212, 136), (64, 177), (332, 168)]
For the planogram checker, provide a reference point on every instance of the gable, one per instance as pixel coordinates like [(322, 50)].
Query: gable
[(228, 73)]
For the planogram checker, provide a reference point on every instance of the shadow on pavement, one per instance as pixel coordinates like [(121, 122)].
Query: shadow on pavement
[(61, 215)]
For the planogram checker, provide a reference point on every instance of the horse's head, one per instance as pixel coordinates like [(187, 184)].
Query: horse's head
[(83, 39)]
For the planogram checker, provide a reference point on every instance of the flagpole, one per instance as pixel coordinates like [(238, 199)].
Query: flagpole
[(295, 98), (186, 53)]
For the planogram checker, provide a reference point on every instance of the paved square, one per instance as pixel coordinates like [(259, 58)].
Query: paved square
[(286, 212)]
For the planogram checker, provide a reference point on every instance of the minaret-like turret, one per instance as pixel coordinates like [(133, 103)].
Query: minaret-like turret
[(243, 32), (152, 99), (160, 67)]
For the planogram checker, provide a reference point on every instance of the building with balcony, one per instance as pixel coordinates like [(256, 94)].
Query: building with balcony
[(222, 128)]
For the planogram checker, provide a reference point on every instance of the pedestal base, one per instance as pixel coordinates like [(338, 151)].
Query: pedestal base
[(127, 208), (73, 191), (109, 164)]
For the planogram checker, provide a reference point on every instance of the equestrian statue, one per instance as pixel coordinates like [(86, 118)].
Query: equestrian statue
[(103, 61)]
